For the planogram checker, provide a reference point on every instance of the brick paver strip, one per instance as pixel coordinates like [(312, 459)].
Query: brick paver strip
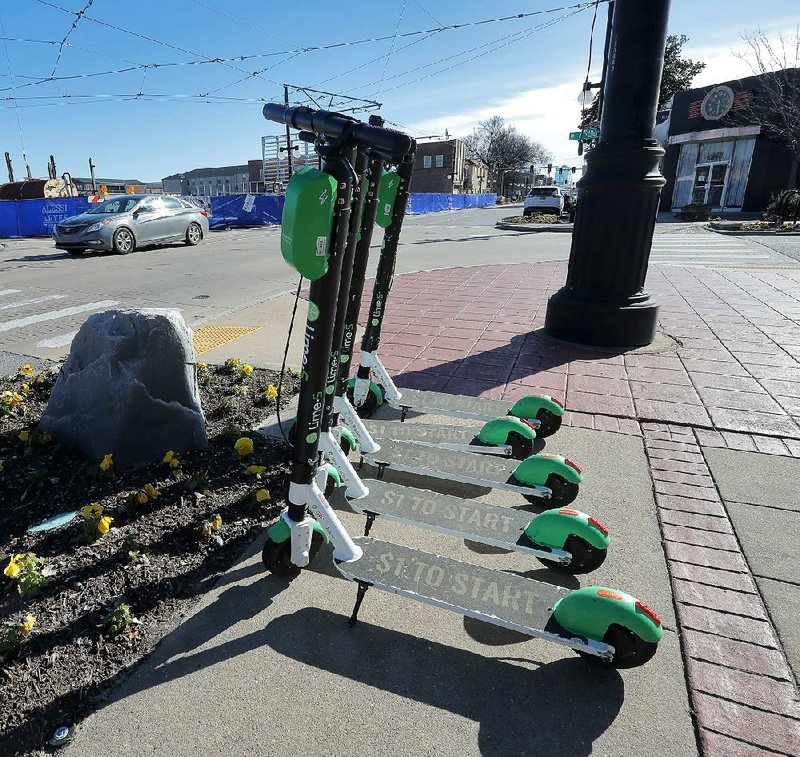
[(743, 693)]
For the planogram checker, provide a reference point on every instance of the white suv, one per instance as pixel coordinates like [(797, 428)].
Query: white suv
[(544, 200)]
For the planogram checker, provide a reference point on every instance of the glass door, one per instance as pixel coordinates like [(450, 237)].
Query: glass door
[(709, 184)]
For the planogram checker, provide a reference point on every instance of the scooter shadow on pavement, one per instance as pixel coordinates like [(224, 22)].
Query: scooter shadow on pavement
[(558, 708), (521, 358)]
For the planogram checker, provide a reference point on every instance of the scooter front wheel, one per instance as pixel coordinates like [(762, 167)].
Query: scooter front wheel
[(277, 556), (630, 650), (369, 407), (520, 446), (585, 557)]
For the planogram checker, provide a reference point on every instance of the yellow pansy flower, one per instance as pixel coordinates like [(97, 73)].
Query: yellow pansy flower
[(27, 625), (256, 469), (262, 495), (232, 362), (25, 388), (243, 446), (104, 524), (271, 392), (245, 369), (94, 510), (24, 436), (151, 491), (202, 366), (106, 462), (169, 457), (216, 522), (39, 380), (13, 569), (26, 370), (141, 498)]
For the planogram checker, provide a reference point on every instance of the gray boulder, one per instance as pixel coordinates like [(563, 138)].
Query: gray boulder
[(129, 388)]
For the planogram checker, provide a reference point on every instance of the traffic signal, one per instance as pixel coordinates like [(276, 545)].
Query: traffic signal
[(573, 169), (549, 168)]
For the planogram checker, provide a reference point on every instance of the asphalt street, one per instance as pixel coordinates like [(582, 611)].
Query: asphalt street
[(46, 294)]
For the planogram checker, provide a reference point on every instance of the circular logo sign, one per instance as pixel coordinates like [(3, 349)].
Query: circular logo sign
[(313, 311), (717, 103)]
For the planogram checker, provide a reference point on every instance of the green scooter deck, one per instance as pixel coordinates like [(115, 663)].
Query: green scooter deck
[(480, 470), (503, 599), (424, 433), (479, 408), (467, 519)]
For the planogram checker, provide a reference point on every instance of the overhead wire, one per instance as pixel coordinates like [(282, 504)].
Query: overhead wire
[(206, 60), (78, 16), (11, 80), (391, 46), (242, 22)]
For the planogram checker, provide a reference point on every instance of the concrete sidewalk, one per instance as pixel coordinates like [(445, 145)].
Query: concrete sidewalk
[(690, 448)]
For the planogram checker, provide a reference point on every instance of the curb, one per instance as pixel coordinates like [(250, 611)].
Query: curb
[(530, 228)]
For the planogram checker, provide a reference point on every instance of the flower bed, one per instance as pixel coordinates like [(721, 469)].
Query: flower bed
[(81, 603)]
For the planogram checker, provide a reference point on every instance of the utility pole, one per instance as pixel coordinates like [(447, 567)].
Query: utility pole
[(10, 168), (288, 132), (92, 166), (603, 301)]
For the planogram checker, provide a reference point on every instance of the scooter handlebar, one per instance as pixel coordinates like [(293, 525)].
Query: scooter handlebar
[(333, 125)]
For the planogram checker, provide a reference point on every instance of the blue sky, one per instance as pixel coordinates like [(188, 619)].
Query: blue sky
[(527, 73)]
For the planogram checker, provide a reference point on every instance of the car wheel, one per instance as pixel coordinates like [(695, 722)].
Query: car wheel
[(193, 234), (124, 241)]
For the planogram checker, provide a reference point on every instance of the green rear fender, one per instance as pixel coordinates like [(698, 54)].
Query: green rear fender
[(347, 434), (553, 527), (531, 404), (279, 531), (591, 610), (496, 431), (535, 469)]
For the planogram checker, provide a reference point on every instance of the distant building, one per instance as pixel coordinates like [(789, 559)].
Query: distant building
[(716, 152), (113, 186), (207, 182), (440, 167), (476, 176)]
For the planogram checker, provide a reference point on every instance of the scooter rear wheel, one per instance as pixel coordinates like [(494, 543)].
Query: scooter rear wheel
[(520, 446), (549, 423), (630, 650), (585, 557), (562, 492), (277, 556)]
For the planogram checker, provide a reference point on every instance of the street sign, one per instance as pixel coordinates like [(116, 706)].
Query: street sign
[(590, 132)]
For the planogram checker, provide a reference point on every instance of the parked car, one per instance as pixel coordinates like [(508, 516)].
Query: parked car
[(121, 224), (544, 200)]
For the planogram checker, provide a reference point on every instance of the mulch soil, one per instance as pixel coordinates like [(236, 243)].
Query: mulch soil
[(157, 557)]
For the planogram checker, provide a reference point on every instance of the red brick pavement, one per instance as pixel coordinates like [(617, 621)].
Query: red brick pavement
[(735, 370), (742, 690)]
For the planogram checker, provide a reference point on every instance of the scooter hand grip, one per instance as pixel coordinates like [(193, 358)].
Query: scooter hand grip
[(334, 124)]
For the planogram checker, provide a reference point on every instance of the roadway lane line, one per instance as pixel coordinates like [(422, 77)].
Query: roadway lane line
[(58, 341), (34, 301), (52, 315)]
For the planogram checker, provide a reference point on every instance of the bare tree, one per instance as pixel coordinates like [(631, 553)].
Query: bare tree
[(776, 104), (501, 146)]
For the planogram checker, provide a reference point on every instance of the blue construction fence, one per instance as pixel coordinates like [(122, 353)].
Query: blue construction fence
[(36, 218)]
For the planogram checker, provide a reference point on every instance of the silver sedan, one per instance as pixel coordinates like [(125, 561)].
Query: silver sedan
[(124, 223)]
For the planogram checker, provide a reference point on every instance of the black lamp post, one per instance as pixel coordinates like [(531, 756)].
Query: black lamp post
[(603, 301)]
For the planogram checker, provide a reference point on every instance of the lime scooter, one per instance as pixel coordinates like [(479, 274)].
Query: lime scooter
[(568, 540), (507, 431), (597, 622)]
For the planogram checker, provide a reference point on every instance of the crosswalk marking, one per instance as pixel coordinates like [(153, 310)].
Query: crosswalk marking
[(62, 340), (52, 315), (708, 249), (33, 301), (9, 291)]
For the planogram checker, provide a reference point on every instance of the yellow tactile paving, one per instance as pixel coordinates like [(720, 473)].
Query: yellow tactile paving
[(206, 338)]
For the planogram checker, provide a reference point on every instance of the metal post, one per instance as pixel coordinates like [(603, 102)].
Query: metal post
[(603, 301), (288, 133), (9, 167), (94, 181)]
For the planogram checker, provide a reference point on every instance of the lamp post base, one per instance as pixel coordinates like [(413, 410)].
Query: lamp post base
[(627, 323)]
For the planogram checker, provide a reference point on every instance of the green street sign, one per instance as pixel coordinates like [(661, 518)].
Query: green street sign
[(590, 132)]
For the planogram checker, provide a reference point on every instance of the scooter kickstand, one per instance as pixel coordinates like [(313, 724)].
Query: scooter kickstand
[(370, 520), (404, 412), (362, 590)]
